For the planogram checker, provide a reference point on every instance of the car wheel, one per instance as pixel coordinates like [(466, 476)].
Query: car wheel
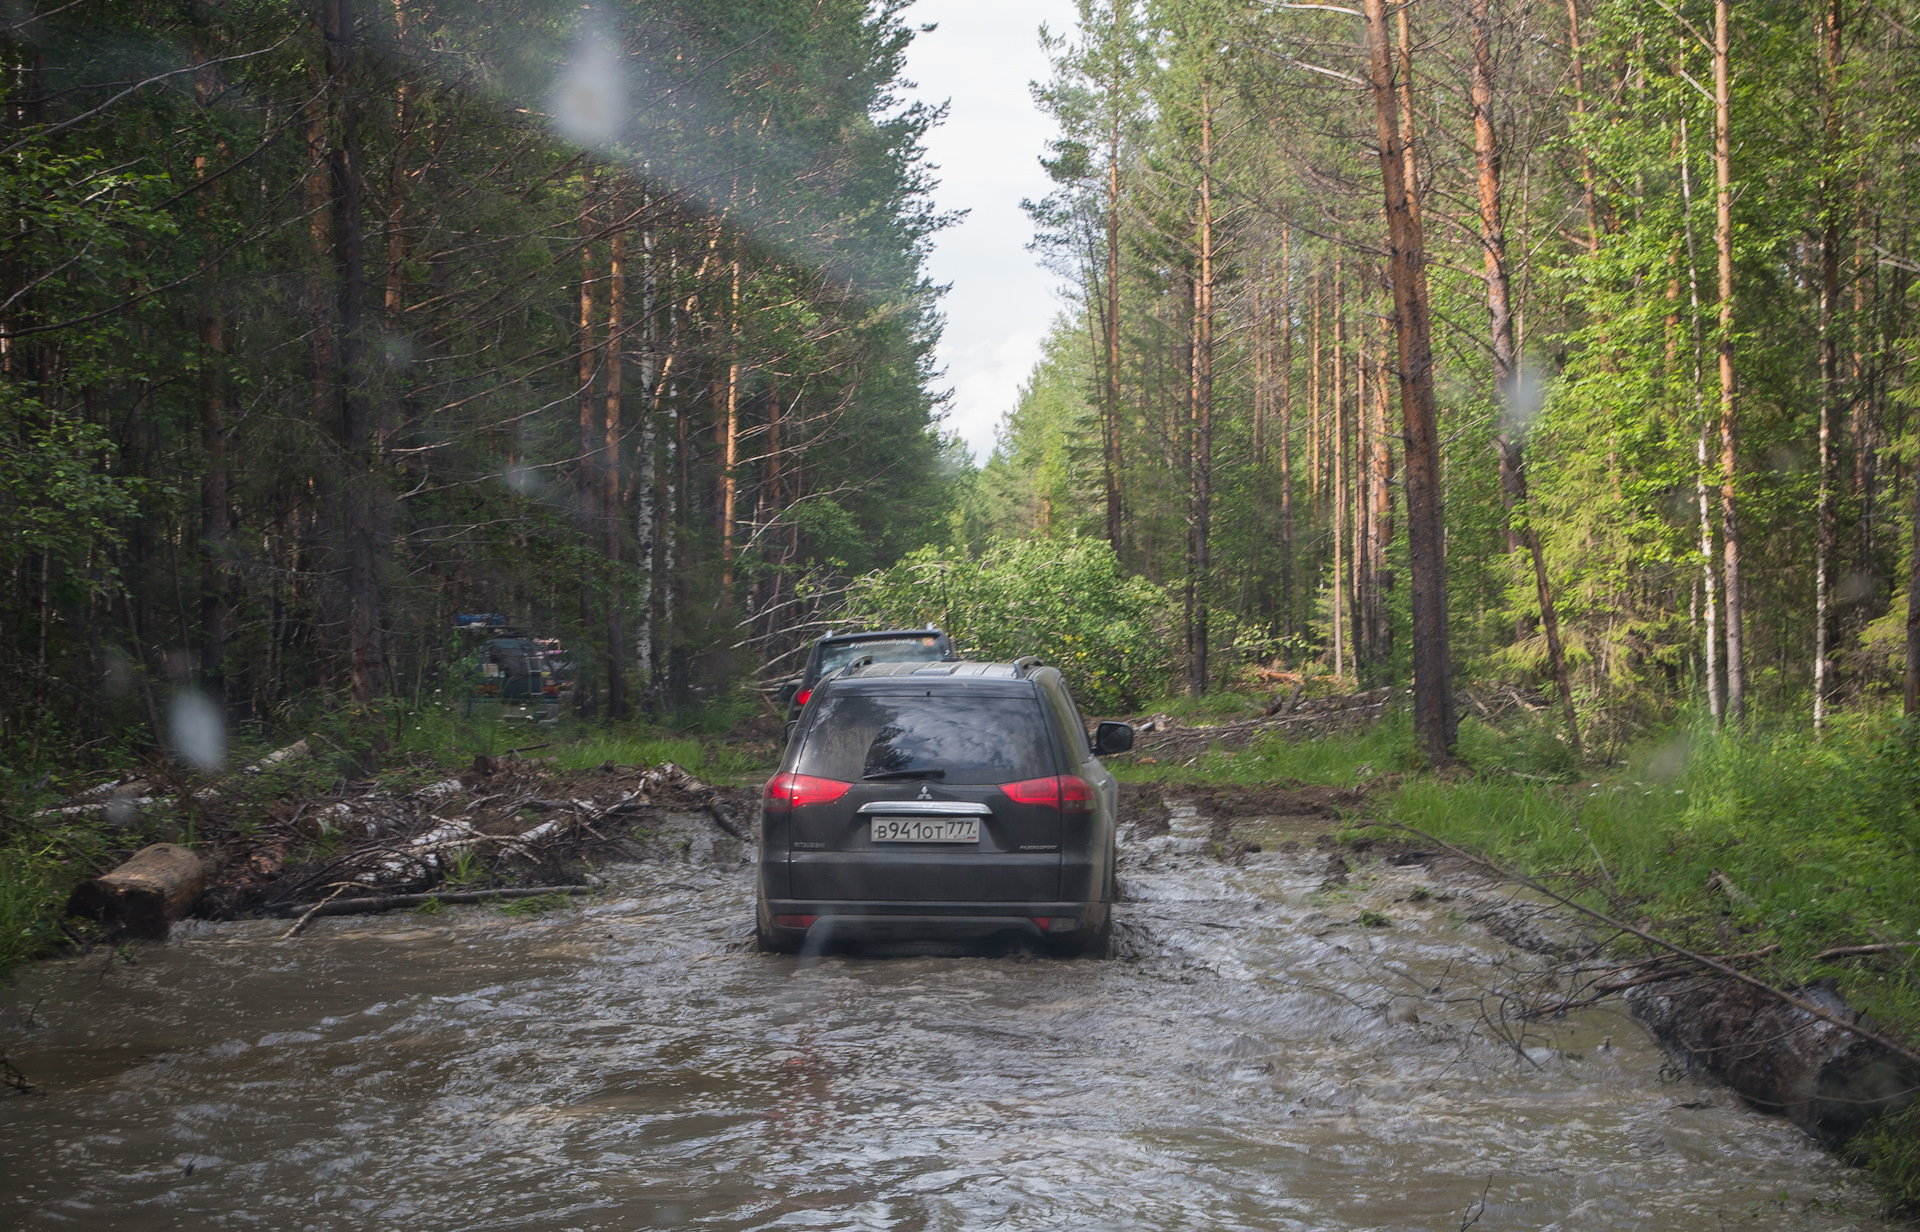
[(769, 940), (1087, 942)]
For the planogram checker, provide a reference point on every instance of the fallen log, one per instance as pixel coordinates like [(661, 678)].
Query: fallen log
[(391, 902), (143, 897), (1826, 1078)]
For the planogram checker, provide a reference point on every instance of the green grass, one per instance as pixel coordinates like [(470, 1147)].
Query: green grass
[(451, 738), (33, 890), (1338, 760)]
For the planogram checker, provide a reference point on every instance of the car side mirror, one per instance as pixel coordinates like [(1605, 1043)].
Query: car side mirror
[(788, 692), (1112, 737)]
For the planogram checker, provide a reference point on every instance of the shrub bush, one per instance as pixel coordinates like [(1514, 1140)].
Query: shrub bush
[(1066, 600)]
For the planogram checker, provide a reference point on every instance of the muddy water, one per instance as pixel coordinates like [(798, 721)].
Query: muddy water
[(1255, 1060)]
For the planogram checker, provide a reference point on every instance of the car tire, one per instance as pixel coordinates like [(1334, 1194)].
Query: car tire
[(768, 940), (1086, 943)]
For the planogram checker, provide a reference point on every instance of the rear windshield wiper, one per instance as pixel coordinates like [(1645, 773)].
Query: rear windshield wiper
[(923, 771)]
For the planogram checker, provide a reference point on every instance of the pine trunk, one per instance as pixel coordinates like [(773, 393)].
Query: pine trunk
[(1426, 525)]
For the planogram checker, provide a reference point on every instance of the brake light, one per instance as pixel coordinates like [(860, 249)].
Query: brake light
[(1067, 792), (795, 921), (800, 698), (800, 790)]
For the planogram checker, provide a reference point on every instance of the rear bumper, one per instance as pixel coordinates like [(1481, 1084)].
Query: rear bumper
[(840, 920)]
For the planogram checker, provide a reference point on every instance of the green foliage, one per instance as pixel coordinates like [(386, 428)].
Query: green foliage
[(33, 893), (1066, 600), (537, 904), (1889, 1149)]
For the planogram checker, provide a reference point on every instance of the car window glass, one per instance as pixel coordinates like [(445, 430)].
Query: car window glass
[(973, 739), (1066, 722), (888, 650)]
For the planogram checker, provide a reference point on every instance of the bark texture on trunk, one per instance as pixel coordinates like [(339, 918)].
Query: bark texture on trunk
[(1506, 360), (1830, 239), (1339, 474), (612, 476), (1286, 434), (1723, 240), (360, 510), (1715, 705), (1203, 397), (1426, 528), (143, 897)]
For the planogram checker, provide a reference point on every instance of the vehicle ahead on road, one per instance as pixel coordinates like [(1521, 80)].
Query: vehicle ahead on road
[(940, 800), (834, 651)]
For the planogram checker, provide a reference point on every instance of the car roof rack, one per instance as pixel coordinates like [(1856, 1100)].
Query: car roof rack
[(1024, 665)]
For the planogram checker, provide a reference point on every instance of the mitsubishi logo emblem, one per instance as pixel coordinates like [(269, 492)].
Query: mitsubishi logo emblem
[(925, 792)]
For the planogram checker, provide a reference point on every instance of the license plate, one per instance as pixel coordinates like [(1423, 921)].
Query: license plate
[(926, 829)]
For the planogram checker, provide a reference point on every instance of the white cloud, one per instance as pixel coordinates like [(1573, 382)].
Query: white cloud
[(980, 60)]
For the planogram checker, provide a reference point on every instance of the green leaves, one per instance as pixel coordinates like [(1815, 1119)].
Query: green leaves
[(58, 493), (1066, 600)]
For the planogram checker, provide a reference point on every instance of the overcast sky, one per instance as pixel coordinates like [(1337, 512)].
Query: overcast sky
[(981, 59)]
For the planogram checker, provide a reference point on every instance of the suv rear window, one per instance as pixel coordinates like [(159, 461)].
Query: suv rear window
[(883, 650), (974, 739)]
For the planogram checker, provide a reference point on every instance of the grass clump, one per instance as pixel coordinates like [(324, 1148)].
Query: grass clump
[(448, 736), (34, 884)]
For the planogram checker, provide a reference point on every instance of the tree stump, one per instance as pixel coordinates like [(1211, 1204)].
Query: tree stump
[(143, 897)]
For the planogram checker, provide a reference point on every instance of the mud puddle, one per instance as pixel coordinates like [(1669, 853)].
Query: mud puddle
[(1256, 1057)]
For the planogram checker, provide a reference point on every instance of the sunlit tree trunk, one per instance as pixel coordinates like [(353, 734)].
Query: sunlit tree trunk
[(1426, 525), (1506, 360), (1709, 575), (1203, 396), (1339, 476), (1831, 210), (1286, 434), (1723, 241)]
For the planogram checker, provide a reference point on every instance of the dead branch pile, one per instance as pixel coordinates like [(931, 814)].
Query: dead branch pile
[(1163, 737), (503, 823)]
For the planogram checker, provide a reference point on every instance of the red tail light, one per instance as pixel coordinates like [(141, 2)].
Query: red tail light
[(800, 698), (1067, 792), (795, 921), (800, 790)]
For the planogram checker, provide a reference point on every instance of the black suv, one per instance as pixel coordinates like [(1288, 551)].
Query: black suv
[(834, 651), (940, 800)]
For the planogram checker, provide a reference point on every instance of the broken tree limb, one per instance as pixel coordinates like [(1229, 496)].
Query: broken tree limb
[(391, 902), (143, 897), (293, 752)]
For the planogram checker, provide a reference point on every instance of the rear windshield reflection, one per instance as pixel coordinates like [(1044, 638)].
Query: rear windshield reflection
[(968, 739), (898, 650)]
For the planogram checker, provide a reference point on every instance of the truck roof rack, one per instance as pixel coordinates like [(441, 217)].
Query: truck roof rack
[(1024, 665)]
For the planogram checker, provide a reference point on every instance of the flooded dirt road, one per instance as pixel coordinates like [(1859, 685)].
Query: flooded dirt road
[(1255, 1058)]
